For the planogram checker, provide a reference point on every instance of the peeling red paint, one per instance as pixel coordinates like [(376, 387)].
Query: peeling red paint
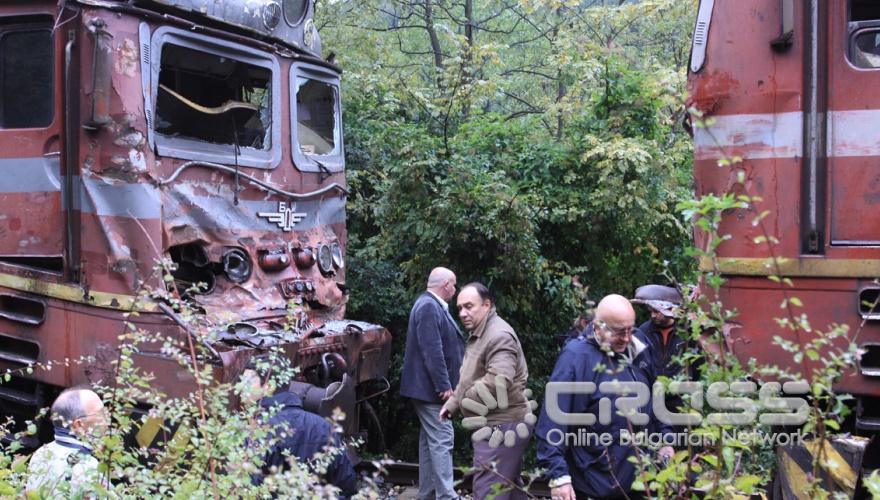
[(124, 218), (755, 101)]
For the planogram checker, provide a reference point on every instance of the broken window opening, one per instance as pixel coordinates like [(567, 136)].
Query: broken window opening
[(317, 130), (212, 98), (26, 76)]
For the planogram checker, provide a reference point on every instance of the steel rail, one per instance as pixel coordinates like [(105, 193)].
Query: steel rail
[(407, 474)]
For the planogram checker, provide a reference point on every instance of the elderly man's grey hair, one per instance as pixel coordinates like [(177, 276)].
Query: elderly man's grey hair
[(68, 406)]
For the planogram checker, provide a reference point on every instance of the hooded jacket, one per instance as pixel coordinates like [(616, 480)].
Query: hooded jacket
[(305, 434), (662, 354), (594, 469)]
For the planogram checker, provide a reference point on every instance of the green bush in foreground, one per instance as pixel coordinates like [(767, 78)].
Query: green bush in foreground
[(214, 448)]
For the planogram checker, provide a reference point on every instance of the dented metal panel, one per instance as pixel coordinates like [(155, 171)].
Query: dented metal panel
[(131, 203)]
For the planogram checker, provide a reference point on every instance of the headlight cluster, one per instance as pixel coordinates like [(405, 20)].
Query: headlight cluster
[(325, 259), (328, 257), (236, 265)]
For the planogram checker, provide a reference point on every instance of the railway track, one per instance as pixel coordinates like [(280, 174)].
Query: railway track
[(407, 474)]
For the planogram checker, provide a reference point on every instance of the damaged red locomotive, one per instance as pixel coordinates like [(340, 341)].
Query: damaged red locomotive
[(207, 133)]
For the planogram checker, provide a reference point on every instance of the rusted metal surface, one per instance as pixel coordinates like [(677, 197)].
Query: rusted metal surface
[(87, 207), (804, 123)]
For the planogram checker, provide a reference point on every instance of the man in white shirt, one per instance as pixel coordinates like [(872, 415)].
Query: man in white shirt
[(66, 467)]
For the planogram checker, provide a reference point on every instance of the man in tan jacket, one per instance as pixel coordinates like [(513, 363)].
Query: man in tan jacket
[(491, 395)]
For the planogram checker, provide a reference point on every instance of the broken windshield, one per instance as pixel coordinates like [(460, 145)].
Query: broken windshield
[(316, 117), (213, 98)]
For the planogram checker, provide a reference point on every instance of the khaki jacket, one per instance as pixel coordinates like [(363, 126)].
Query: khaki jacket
[(493, 349)]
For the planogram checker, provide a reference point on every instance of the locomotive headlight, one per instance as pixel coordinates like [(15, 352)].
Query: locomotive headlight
[(295, 10), (236, 265), (325, 259), (336, 250), (304, 258), (271, 15)]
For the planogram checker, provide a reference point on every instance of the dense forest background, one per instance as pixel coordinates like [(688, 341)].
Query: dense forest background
[(534, 145)]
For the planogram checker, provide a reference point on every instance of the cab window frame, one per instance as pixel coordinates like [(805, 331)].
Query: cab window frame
[(305, 162), (862, 17), (30, 23), (186, 148)]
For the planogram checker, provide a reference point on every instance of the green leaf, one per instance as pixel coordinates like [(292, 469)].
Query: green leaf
[(746, 483), (7, 491), (711, 460)]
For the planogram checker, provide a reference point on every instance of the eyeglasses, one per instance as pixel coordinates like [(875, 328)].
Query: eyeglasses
[(103, 413), (617, 332)]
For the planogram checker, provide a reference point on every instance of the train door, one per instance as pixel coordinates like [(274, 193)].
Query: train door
[(31, 212), (854, 123)]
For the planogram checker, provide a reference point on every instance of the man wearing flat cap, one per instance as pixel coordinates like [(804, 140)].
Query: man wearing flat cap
[(660, 333)]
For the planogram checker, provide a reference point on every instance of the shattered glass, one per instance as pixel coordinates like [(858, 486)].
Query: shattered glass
[(213, 98)]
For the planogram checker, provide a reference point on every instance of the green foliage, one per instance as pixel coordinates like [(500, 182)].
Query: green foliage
[(872, 484), (207, 446), (538, 152)]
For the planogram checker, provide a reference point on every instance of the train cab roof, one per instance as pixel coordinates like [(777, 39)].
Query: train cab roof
[(290, 22)]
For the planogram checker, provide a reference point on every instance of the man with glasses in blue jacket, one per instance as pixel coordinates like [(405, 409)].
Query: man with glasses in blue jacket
[(607, 351)]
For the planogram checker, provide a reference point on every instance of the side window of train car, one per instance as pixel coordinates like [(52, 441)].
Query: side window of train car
[(214, 101), (26, 74), (316, 123), (864, 33)]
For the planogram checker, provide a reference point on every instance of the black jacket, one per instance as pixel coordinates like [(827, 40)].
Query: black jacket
[(595, 470), (305, 435), (663, 356), (434, 351)]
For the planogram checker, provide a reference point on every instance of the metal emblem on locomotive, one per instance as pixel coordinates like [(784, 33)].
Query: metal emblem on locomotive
[(286, 217)]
